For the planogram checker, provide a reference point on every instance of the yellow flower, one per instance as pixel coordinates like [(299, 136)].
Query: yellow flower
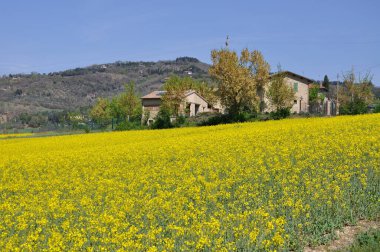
[(251, 186)]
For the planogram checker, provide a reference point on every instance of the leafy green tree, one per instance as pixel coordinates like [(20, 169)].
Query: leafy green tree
[(313, 93), (100, 113), (162, 120), (130, 103), (37, 120), (25, 118), (126, 106), (280, 95), (116, 110)]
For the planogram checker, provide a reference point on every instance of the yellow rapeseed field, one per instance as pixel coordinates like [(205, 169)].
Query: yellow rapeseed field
[(12, 135), (275, 185)]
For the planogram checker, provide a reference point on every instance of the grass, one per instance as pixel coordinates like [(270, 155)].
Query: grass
[(367, 242)]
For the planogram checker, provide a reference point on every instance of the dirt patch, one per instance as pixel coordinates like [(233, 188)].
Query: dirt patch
[(346, 236)]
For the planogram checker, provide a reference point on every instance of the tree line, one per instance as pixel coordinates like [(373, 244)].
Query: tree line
[(240, 81)]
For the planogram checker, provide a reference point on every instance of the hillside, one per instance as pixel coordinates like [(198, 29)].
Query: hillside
[(80, 87)]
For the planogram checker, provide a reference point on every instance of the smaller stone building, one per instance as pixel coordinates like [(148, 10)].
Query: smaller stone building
[(193, 104)]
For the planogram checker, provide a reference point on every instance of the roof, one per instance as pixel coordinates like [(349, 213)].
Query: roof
[(154, 95), (189, 92), (159, 94), (309, 81), (320, 87)]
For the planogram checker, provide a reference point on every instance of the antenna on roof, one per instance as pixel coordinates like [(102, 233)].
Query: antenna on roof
[(227, 40), (279, 68), (337, 94)]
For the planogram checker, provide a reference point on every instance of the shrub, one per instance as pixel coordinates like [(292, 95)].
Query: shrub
[(180, 120), (377, 108), (354, 108), (228, 118), (280, 113), (162, 120), (127, 125)]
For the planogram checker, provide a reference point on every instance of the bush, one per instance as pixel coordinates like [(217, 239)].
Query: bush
[(228, 118), (377, 108), (354, 108), (86, 129), (37, 121), (25, 118), (162, 120), (280, 114), (127, 125), (180, 120)]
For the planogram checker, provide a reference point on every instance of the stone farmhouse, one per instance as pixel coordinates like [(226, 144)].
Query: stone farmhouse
[(195, 103), (300, 85)]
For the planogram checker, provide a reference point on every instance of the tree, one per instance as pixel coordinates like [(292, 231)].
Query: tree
[(280, 95), (100, 113), (25, 118), (56, 117), (260, 69), (130, 103), (313, 93), (18, 92), (116, 110), (326, 82), (163, 119), (204, 89), (239, 78), (174, 96), (37, 121), (127, 105), (356, 94)]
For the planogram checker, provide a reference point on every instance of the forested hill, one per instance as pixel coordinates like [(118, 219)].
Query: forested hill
[(80, 87)]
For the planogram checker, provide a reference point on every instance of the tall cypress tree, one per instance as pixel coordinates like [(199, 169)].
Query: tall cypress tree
[(326, 82)]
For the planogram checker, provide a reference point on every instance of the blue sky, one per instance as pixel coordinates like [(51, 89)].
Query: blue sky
[(309, 37)]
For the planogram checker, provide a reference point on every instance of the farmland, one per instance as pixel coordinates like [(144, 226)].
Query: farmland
[(274, 185)]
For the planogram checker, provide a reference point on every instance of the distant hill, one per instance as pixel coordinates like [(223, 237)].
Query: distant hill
[(80, 87)]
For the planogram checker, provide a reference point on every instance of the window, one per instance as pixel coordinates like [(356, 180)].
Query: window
[(295, 86), (295, 101)]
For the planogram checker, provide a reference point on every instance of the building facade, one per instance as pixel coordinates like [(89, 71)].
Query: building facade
[(300, 86)]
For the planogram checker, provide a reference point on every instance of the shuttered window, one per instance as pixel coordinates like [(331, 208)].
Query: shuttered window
[(295, 87)]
